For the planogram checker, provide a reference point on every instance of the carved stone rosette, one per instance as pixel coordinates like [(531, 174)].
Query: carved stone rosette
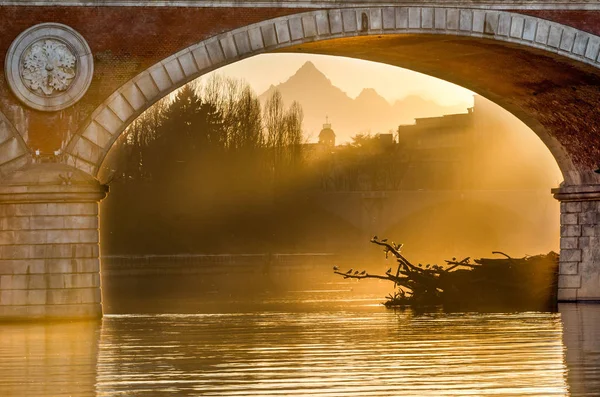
[(49, 67)]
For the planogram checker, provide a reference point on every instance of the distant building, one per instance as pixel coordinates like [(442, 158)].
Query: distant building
[(439, 152), (386, 140), (327, 136)]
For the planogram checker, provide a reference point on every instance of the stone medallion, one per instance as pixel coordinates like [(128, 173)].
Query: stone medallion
[(49, 67)]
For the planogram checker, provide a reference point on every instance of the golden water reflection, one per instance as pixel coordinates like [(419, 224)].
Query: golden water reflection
[(56, 359), (364, 350)]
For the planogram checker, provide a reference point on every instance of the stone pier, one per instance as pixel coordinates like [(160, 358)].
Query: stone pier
[(579, 277), (49, 245)]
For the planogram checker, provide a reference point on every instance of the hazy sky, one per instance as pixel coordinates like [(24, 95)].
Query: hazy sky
[(350, 75)]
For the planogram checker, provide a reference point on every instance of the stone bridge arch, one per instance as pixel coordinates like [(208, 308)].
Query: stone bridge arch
[(545, 73), (88, 147)]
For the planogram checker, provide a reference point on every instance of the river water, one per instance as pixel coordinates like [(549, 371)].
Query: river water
[(317, 342)]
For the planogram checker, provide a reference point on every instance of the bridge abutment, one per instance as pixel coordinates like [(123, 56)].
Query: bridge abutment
[(579, 274), (49, 244)]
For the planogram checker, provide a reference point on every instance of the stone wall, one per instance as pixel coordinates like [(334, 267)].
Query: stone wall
[(579, 277), (49, 245)]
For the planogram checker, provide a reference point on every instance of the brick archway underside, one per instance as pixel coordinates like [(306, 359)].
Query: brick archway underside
[(545, 73)]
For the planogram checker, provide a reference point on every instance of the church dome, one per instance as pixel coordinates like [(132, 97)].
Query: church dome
[(327, 136)]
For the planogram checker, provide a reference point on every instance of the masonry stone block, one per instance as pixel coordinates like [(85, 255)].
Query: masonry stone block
[(161, 78), (188, 65), (335, 21), (309, 24), (296, 30), (529, 29), (87, 150), (590, 206), (402, 18), (95, 133), (517, 27), (215, 52), (504, 23), (583, 243), (13, 282), (569, 219), (569, 268), (590, 231), (30, 266), (554, 36), (427, 18), (30, 209), (256, 40), (590, 280), (26, 237), (269, 35), (16, 251), (492, 19), (580, 45), (478, 21), (570, 255), (375, 19), (349, 21), (571, 206), (569, 281), (543, 32), (134, 96), (147, 86), (593, 48), (80, 222), (440, 18), (228, 45), (201, 57), (569, 242), (47, 222), (73, 295), (588, 218), (7, 237), (452, 19), (414, 17), (466, 20), (67, 209), (389, 18), (283, 32), (570, 231), (242, 42), (15, 223), (72, 265), (109, 121), (567, 40), (322, 23), (121, 107), (567, 294), (81, 164)]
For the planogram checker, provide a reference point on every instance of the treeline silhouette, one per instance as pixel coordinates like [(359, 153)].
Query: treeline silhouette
[(212, 171)]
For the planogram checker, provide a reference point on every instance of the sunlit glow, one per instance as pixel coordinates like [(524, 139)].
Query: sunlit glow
[(350, 74)]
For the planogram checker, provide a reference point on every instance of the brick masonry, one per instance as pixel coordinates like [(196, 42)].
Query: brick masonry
[(139, 37), (123, 40), (88, 147)]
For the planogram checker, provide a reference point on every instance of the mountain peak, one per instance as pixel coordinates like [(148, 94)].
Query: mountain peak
[(309, 71), (368, 92), (370, 96)]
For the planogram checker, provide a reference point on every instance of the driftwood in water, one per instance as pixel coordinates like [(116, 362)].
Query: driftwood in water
[(517, 283)]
